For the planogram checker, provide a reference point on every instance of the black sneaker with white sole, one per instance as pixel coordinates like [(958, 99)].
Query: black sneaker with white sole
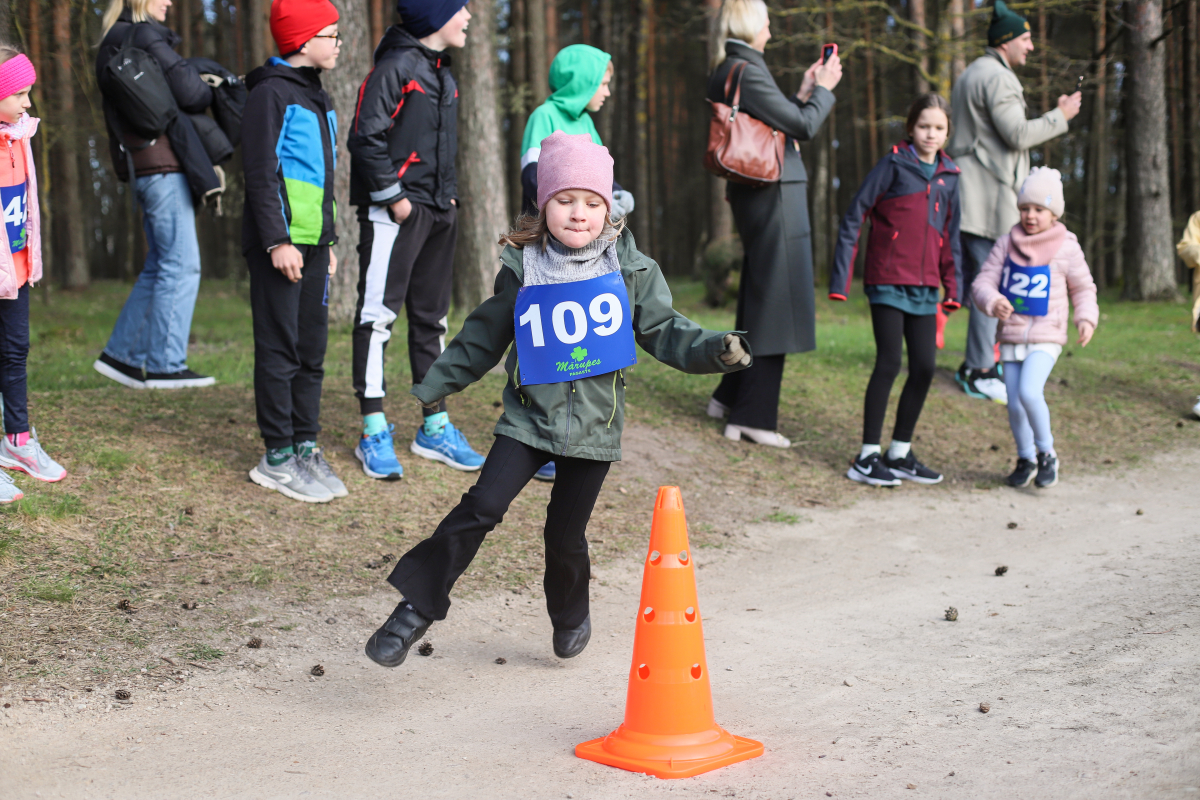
[(1023, 475), (909, 469), (871, 471), (184, 379), (119, 371), (1047, 471)]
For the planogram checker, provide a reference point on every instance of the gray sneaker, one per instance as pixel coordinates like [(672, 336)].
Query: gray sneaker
[(31, 459), (320, 469), (9, 491), (291, 479)]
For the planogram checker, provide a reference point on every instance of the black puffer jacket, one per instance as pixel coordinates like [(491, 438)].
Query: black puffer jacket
[(404, 136), (182, 149)]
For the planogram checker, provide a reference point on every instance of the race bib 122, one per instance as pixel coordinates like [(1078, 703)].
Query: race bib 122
[(567, 331), (1027, 288)]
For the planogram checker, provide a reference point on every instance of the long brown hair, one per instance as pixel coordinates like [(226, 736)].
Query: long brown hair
[(8, 51), (531, 229), (922, 102)]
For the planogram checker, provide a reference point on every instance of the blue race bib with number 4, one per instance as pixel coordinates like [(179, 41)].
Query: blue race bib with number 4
[(1027, 288), (16, 212), (567, 331)]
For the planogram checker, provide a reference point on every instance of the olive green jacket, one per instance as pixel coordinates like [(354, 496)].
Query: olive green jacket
[(581, 418)]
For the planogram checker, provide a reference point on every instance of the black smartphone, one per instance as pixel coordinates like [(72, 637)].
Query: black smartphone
[(1079, 84), (828, 52)]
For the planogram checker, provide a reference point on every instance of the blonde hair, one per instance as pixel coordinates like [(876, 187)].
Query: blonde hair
[(533, 229), (115, 7), (741, 19)]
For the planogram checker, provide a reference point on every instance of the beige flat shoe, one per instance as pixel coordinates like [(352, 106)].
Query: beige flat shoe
[(756, 435)]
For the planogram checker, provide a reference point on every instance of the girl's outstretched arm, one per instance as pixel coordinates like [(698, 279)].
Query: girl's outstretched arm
[(479, 346)]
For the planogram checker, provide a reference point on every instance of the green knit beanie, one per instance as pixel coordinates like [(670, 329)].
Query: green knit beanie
[(1006, 25)]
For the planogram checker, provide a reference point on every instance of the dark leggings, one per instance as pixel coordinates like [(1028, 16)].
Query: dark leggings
[(893, 327), (14, 349), (426, 574)]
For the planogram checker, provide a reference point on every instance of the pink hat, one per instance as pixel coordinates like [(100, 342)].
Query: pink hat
[(16, 74), (573, 162)]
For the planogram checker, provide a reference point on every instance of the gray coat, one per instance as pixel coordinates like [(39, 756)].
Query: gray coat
[(990, 141), (776, 303)]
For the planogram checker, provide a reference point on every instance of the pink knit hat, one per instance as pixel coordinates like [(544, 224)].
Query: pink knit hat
[(573, 162), (16, 74), (1043, 188)]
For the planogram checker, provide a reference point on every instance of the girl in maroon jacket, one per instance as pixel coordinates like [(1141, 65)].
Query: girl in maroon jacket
[(911, 197)]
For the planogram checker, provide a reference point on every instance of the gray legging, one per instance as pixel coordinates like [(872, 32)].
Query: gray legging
[(981, 329)]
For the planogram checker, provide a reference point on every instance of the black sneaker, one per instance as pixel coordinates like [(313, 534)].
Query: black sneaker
[(1022, 476), (120, 372), (1047, 471), (870, 470), (184, 379), (389, 645), (909, 469)]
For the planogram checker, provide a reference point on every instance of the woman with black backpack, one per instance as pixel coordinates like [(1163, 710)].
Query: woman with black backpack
[(148, 345)]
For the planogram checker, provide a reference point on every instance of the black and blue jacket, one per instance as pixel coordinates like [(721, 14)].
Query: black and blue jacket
[(289, 154)]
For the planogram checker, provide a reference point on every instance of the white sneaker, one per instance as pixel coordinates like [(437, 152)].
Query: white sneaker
[(993, 389), (9, 491), (716, 409), (31, 459), (756, 435), (1196, 408)]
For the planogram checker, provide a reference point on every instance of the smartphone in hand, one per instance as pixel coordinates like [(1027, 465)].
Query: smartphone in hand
[(828, 52), (1079, 84)]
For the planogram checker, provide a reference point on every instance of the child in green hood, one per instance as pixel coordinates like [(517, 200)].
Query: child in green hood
[(579, 77)]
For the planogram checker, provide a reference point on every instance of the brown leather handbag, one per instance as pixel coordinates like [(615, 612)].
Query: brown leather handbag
[(741, 148)]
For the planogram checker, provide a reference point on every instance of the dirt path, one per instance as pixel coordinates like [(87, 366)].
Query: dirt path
[(1085, 650)]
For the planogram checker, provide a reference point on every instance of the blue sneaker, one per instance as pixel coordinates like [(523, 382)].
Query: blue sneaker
[(547, 472), (450, 448), (378, 456)]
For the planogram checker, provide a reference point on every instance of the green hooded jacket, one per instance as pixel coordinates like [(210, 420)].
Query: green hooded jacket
[(575, 75), (581, 418)]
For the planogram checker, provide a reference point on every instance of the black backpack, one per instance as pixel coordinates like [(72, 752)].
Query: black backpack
[(133, 82), (229, 96)]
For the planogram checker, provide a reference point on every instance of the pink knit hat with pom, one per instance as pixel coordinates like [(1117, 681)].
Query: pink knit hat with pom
[(573, 162)]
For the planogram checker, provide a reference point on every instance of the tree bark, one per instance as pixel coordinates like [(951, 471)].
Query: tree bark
[(1043, 66), (377, 21), (342, 84), (67, 206), (1149, 255), (1191, 113), (958, 33), (551, 30), (256, 20), (872, 117), (482, 210), (720, 216), (1096, 221), (518, 42), (916, 15), (539, 67)]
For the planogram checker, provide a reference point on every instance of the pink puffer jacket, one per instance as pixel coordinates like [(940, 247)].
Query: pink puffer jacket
[(19, 133), (1069, 278)]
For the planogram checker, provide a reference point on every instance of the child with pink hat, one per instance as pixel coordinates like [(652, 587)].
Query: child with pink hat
[(573, 295)]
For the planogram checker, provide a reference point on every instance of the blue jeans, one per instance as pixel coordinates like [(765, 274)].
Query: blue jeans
[(1028, 414), (152, 330)]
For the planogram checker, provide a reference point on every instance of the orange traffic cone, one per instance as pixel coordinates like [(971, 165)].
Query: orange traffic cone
[(669, 729)]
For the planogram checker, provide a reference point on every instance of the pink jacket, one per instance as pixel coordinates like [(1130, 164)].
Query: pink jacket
[(1069, 277), (22, 131)]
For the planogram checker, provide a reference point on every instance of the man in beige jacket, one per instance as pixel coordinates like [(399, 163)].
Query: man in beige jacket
[(990, 141)]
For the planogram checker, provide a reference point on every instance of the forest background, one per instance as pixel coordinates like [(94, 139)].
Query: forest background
[(1131, 162)]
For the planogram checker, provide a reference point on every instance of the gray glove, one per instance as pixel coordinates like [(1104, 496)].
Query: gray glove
[(622, 204), (734, 352)]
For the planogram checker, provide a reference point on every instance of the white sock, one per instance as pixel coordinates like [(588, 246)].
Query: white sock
[(899, 450), (868, 449)]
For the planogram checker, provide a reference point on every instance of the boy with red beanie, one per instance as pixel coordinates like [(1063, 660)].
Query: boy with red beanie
[(402, 146), (289, 155)]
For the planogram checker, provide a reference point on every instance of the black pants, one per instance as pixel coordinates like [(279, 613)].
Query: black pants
[(291, 327), (752, 394), (409, 266), (14, 350), (894, 328), (426, 574)]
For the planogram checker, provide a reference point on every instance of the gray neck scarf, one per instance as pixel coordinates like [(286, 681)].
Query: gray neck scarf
[(561, 264)]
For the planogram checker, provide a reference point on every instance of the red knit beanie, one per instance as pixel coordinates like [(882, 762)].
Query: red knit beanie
[(294, 22)]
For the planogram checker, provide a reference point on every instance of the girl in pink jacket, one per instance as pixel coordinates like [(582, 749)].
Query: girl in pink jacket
[(1031, 277), (20, 266)]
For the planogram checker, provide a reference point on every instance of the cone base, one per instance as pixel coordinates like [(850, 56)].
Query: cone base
[(671, 767)]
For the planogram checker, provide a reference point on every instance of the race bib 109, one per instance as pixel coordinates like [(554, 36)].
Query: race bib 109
[(1027, 288), (567, 331)]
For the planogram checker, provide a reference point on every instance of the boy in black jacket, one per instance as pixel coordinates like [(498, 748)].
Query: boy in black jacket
[(402, 147), (289, 154)]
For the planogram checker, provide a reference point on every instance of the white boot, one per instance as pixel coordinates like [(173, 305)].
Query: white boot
[(756, 435), (716, 409)]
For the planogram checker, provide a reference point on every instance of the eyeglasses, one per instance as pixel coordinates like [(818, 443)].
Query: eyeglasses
[(336, 36)]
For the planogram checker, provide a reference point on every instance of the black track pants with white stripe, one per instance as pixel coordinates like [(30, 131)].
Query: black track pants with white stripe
[(407, 266)]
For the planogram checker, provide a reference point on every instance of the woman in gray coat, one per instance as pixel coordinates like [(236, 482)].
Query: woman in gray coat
[(776, 298)]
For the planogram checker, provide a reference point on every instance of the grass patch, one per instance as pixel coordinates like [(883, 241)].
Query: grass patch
[(780, 516), (201, 652), (111, 460), (259, 575), (50, 589), (48, 505)]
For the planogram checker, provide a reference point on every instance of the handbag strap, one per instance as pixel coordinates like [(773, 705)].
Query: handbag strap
[(739, 68)]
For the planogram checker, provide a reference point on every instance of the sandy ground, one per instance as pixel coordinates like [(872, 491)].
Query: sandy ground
[(825, 640)]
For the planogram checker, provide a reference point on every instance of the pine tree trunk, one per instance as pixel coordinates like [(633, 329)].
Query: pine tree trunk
[(539, 67), (518, 43), (1097, 222), (720, 216), (1150, 257), (1191, 113), (256, 20), (342, 84), (916, 15), (551, 30), (958, 33), (872, 117), (482, 210), (640, 220), (67, 208)]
